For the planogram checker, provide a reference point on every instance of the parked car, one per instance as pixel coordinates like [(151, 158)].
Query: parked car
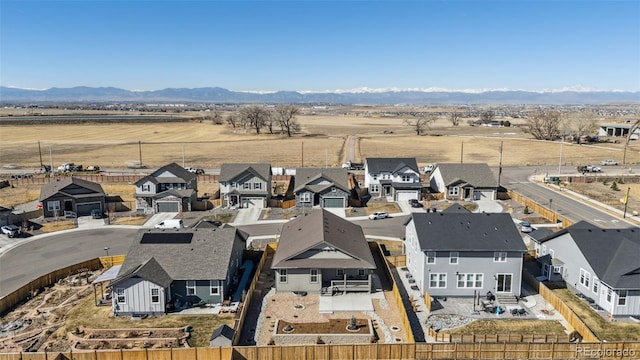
[(11, 230), (415, 203), (96, 214), (94, 168), (429, 168), (526, 227), (195, 171), (379, 215), (593, 168), (170, 224), (608, 162)]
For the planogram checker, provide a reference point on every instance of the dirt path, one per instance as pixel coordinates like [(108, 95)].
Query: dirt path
[(352, 149)]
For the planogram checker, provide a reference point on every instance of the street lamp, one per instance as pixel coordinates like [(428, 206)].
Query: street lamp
[(106, 248)]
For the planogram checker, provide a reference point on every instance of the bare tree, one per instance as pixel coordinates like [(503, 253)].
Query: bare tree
[(232, 120), (270, 120), (421, 123), (285, 114), (545, 125), (487, 116), (216, 117), (581, 124), (454, 117), (255, 116)]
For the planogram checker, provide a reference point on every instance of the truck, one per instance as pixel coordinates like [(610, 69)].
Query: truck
[(350, 165), (588, 169), (170, 224), (11, 230)]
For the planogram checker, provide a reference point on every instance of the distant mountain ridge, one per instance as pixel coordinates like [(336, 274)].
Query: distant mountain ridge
[(221, 95)]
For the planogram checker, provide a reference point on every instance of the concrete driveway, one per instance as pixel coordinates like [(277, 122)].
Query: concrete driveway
[(247, 216)]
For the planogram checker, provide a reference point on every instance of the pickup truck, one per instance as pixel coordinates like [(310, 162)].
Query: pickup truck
[(588, 168), (349, 165), (11, 230)]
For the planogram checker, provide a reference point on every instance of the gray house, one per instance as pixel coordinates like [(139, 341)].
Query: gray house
[(5, 216), (322, 253), (167, 269), (327, 187), (245, 185), (460, 253), (71, 195), (602, 264), (397, 179), (171, 188), (464, 181)]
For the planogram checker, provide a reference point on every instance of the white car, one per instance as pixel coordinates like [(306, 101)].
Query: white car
[(379, 215), (608, 162), (526, 227)]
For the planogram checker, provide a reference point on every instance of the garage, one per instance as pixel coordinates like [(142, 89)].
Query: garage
[(484, 195), (406, 195), (333, 202), (167, 206), (255, 202), (85, 209)]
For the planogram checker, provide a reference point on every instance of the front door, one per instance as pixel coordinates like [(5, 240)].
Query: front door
[(387, 190), (504, 283)]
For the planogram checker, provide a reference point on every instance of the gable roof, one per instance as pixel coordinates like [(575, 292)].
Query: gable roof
[(223, 330), (392, 165), (478, 175), (173, 168), (185, 254), (467, 232), (611, 253), (539, 234), (322, 228), (456, 209), (149, 270), (229, 172), (58, 185), (335, 176)]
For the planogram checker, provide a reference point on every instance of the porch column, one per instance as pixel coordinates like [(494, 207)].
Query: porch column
[(369, 280)]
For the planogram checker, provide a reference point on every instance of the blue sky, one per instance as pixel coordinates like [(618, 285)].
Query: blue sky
[(321, 45)]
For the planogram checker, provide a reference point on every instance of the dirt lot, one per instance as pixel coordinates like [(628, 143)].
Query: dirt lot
[(602, 192)]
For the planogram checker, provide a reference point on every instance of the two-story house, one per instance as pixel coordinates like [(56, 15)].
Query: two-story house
[(464, 181), (397, 179), (601, 264), (166, 270), (245, 185), (324, 187), (171, 188), (458, 253)]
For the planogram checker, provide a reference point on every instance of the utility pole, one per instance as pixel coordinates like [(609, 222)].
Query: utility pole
[(560, 162), (182, 155), (40, 153), (626, 201), (461, 151), (140, 151), (51, 159), (302, 155), (500, 164)]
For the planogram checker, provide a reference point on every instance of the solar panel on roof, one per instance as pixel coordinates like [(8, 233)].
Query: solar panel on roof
[(166, 238)]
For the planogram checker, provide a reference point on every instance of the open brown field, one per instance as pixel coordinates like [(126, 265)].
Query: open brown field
[(523, 327)]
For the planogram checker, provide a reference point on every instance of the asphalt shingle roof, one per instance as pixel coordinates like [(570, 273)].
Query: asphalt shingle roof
[(56, 186), (392, 165), (336, 176), (223, 330), (467, 232), (177, 170), (478, 175), (320, 227), (229, 172), (149, 270)]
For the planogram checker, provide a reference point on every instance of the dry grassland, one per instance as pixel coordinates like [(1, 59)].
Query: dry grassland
[(511, 326), (58, 226), (19, 194)]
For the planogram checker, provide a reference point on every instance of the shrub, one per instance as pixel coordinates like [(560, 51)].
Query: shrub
[(615, 187), (526, 210)]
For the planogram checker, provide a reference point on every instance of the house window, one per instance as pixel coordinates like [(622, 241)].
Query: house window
[(470, 281), (406, 178), (333, 189), (191, 287), (214, 288), (246, 186), (120, 297), (283, 276), (499, 256), (375, 188), (551, 253), (155, 296), (595, 285), (313, 276), (431, 257), (362, 272), (305, 197), (584, 278), (544, 249), (340, 272), (53, 205), (257, 186), (609, 295), (375, 176), (146, 187), (454, 191), (437, 281), (453, 257), (622, 297)]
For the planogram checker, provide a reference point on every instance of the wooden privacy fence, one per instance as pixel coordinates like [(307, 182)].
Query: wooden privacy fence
[(28, 290), (397, 260), (109, 261), (498, 338), (477, 350), (285, 204), (540, 209), (554, 300)]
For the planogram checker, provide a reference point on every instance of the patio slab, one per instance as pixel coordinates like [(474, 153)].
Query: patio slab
[(347, 302)]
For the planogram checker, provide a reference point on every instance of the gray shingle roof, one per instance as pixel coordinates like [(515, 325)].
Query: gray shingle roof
[(336, 176), (205, 257), (611, 253), (223, 330), (456, 209), (317, 228), (392, 165), (478, 175), (229, 172), (467, 232), (149, 270), (56, 186), (540, 233), (177, 170)]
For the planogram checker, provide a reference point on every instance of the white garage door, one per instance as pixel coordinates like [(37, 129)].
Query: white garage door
[(168, 206), (406, 195), (484, 195), (333, 202), (253, 202)]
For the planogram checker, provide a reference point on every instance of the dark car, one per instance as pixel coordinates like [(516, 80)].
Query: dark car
[(416, 204), (96, 214)]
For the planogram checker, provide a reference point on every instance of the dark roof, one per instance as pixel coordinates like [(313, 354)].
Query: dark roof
[(392, 165), (223, 330), (229, 172), (456, 209), (179, 193), (59, 185), (320, 228), (540, 233), (467, 232), (334, 176), (149, 270), (175, 169), (4, 209), (611, 253), (205, 257), (478, 175)]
